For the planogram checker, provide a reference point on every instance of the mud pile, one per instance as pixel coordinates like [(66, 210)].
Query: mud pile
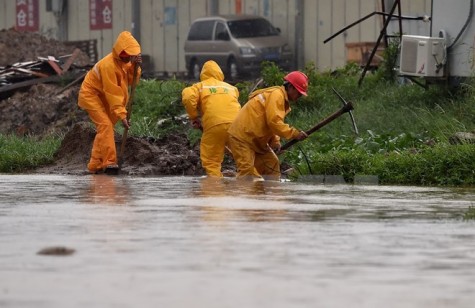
[(41, 108), (40, 111), (16, 46), (172, 155)]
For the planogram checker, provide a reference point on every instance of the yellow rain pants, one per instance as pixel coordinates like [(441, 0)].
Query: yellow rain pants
[(252, 165), (258, 127), (213, 143)]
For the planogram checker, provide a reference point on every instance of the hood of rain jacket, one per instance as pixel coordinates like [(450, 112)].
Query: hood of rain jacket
[(212, 99), (106, 84)]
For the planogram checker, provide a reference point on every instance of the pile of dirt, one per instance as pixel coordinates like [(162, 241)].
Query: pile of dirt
[(17, 46), (40, 111), (41, 108), (172, 155)]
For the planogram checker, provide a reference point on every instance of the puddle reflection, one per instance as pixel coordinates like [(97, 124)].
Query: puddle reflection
[(106, 189)]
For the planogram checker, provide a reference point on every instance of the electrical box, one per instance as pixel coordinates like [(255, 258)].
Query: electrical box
[(422, 56)]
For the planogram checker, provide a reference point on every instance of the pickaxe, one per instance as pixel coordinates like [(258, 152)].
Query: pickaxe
[(347, 107)]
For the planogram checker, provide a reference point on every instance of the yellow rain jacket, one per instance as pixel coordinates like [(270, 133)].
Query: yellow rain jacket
[(213, 99), (104, 95), (216, 103), (261, 121)]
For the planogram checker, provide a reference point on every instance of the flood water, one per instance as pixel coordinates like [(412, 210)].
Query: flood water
[(191, 242)]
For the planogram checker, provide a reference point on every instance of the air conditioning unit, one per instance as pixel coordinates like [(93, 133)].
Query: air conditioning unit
[(422, 56)]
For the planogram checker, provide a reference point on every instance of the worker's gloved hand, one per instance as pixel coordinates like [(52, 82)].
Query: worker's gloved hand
[(196, 123), (137, 59), (302, 135), (276, 147), (125, 123)]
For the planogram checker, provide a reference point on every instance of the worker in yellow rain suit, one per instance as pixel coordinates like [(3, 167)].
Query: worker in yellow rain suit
[(104, 95), (212, 105), (256, 131)]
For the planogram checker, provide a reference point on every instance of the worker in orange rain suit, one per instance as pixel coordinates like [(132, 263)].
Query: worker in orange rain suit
[(216, 103), (104, 95), (256, 131)]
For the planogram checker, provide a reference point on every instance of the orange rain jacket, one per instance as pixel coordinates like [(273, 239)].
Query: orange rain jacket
[(109, 80), (261, 121)]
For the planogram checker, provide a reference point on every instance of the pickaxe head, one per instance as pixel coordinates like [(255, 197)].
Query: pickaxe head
[(349, 109)]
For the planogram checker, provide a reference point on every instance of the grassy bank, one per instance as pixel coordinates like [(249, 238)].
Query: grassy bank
[(19, 154), (404, 128)]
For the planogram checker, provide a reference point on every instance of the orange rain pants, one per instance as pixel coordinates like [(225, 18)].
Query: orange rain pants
[(103, 151)]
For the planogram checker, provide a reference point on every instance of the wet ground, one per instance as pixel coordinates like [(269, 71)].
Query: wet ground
[(190, 242)]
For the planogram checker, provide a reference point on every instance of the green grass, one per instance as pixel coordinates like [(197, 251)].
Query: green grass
[(440, 165), (18, 154)]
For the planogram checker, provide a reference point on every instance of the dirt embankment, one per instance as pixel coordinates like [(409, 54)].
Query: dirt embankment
[(42, 109), (172, 155), (16, 46)]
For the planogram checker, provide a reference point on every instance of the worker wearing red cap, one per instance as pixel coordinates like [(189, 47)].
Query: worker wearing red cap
[(255, 133), (104, 95)]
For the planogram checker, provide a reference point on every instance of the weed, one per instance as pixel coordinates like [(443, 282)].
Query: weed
[(470, 213)]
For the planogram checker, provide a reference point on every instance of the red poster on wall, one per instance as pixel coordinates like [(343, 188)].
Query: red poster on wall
[(27, 15), (100, 14)]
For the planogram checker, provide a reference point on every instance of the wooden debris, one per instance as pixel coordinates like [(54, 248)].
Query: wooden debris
[(71, 59), (45, 70)]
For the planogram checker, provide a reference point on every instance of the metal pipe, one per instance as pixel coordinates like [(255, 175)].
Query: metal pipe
[(298, 43), (397, 4), (136, 20)]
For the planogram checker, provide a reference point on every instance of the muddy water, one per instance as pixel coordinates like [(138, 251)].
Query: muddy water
[(188, 242)]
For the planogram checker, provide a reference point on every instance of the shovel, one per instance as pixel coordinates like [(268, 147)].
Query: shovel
[(128, 107), (347, 107)]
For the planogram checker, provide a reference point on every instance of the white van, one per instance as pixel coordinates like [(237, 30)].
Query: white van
[(238, 43)]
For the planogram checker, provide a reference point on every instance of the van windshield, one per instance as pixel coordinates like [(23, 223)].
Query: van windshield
[(251, 28)]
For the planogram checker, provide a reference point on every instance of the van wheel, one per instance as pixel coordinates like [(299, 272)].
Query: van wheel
[(232, 69), (195, 70)]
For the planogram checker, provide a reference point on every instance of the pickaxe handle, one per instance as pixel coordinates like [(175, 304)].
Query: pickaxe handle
[(346, 108)]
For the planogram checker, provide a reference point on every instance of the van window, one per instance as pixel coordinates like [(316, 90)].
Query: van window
[(201, 31), (251, 28), (221, 32)]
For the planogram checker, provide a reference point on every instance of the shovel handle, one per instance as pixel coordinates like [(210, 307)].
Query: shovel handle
[(128, 107)]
